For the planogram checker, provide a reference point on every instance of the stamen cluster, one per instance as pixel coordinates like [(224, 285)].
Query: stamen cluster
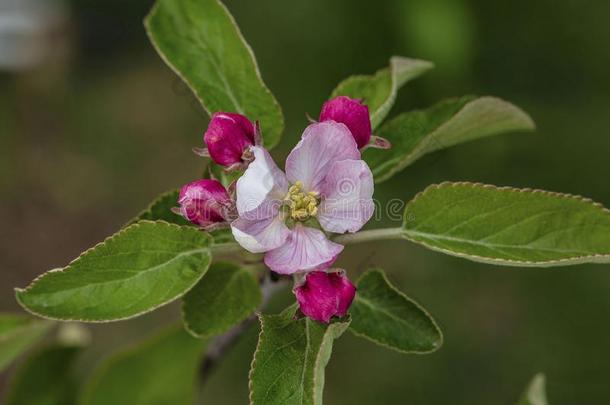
[(303, 205)]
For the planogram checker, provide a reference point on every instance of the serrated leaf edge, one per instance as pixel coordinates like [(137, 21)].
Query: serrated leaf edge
[(417, 305), (18, 291), (196, 93), (397, 165), (597, 258), (336, 330), (254, 359)]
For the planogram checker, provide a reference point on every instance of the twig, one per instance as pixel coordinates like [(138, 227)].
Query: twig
[(369, 236), (222, 345)]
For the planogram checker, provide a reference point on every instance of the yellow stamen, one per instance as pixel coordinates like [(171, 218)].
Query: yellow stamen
[(303, 205)]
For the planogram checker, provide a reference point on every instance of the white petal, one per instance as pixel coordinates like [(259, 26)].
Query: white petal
[(306, 249), (260, 236), (261, 188), (321, 145), (347, 197)]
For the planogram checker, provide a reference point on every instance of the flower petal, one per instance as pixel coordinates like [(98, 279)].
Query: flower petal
[(260, 235), (321, 145), (261, 188), (347, 197), (306, 249)]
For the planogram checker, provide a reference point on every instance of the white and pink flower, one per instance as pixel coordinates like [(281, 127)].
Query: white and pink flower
[(326, 188)]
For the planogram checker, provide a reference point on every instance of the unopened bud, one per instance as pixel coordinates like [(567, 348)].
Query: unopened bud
[(353, 114), (204, 202), (324, 295), (229, 137)]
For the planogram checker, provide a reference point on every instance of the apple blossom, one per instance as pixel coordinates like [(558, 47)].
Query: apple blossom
[(326, 186)]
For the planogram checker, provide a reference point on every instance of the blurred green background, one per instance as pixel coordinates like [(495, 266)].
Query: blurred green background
[(91, 133)]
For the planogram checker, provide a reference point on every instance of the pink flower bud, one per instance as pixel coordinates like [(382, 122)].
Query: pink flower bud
[(228, 136), (324, 295), (204, 202), (353, 114)]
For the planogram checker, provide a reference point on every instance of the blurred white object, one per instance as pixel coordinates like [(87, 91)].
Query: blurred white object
[(27, 30)]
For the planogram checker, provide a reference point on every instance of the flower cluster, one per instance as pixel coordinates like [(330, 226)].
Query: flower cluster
[(326, 188)]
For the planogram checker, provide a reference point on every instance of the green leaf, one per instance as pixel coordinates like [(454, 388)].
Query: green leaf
[(17, 334), (448, 123), (535, 393), (509, 226), (201, 42), (225, 296), (161, 210), (138, 269), (289, 362), (47, 378), (386, 316), (378, 91), (162, 370)]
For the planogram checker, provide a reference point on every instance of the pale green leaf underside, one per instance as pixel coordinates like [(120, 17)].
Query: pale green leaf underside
[(162, 370), (386, 316), (138, 269), (288, 366), (535, 394), (508, 226), (46, 378), (201, 42), (378, 91), (17, 334), (225, 296), (448, 123)]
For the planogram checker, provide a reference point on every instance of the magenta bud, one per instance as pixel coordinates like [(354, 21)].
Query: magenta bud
[(204, 202), (324, 295), (353, 114), (228, 136)]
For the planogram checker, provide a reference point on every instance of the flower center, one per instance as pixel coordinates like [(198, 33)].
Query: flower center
[(302, 205)]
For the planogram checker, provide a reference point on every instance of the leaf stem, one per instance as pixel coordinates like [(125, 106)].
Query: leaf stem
[(226, 248), (230, 248), (369, 236)]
